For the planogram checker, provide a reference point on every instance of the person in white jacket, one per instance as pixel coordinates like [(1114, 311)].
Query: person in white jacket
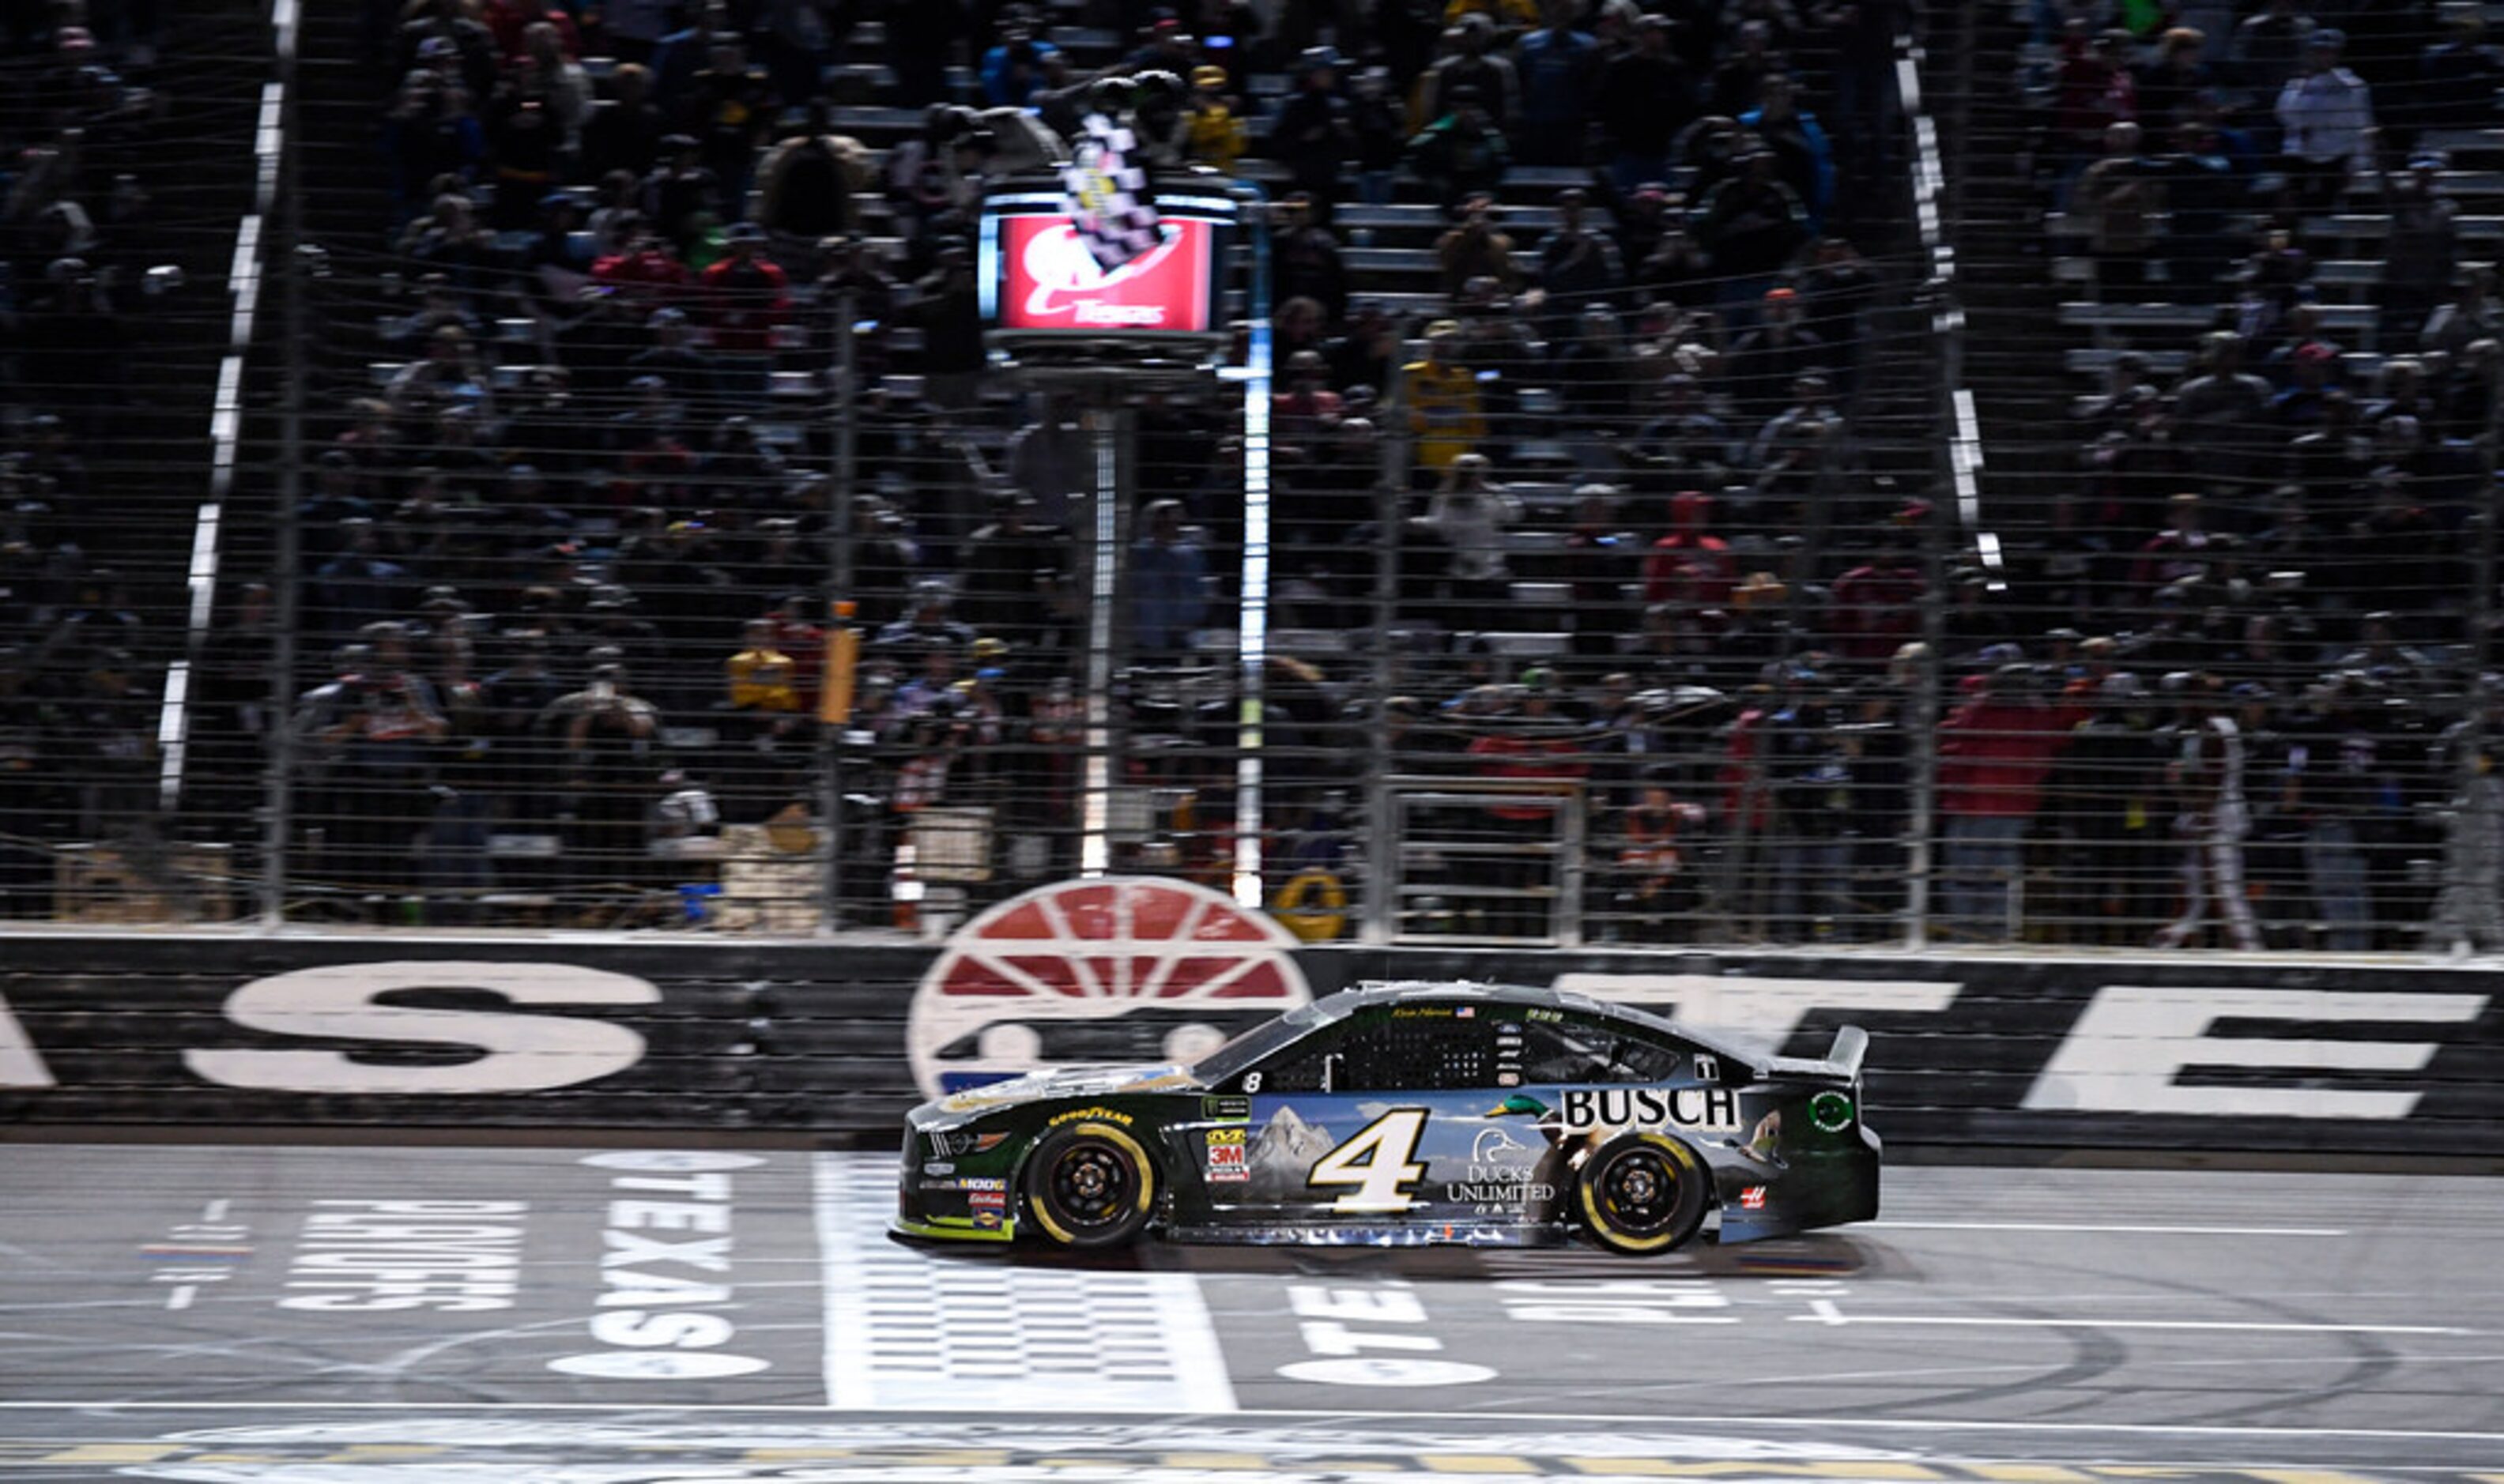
[(1471, 514), (2326, 115)]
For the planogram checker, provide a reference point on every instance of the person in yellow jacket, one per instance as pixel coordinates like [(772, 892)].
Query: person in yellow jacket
[(1446, 417), (760, 673), (1211, 133), (1510, 16)]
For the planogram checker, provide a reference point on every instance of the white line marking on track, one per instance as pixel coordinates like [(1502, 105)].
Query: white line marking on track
[(2284, 1231), (1634, 1395), (216, 1210), (1255, 1414), (2003, 1323), (181, 1296)]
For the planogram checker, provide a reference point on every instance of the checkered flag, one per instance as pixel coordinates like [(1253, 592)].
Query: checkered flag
[(1108, 195)]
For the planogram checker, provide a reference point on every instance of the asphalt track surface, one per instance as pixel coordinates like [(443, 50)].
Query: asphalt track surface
[(643, 1315)]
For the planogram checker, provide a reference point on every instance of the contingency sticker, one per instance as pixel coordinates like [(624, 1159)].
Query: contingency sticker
[(1225, 1155)]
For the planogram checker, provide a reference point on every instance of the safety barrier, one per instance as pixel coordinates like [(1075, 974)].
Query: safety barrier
[(2102, 1054)]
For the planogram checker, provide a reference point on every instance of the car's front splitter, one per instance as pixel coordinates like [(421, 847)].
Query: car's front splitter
[(945, 1230)]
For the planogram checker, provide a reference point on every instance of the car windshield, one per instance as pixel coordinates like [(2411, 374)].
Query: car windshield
[(1258, 1041)]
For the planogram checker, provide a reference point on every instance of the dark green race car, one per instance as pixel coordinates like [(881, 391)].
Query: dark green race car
[(1405, 1114)]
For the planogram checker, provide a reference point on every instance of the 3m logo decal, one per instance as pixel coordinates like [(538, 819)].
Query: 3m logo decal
[(1226, 1156)]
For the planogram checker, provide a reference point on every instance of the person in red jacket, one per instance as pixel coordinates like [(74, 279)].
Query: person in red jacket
[(746, 295), (1994, 752), (1530, 744), (1878, 604), (1690, 565), (647, 273)]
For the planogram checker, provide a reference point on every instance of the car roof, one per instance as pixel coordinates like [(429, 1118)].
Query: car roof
[(1401, 991)]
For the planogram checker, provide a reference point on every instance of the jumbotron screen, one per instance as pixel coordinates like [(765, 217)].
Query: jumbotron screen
[(1038, 277)]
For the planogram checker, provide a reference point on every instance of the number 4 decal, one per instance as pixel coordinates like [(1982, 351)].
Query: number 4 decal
[(1378, 1162)]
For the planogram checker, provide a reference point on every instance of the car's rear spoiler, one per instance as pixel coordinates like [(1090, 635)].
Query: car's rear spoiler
[(1851, 1044), (1842, 1062)]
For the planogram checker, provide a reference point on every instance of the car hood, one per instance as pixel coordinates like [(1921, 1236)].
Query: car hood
[(1049, 1086)]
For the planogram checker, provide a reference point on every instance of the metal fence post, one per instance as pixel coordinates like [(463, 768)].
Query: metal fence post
[(1957, 476), (839, 572), (1922, 714), (1107, 435), (2459, 923), (1378, 919), (297, 262), (1252, 610)]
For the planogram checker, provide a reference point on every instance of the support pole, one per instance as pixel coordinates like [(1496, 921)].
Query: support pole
[(1379, 922), (1252, 612), (1106, 430), (298, 264), (840, 576)]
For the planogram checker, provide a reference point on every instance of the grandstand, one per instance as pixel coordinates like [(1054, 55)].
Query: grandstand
[(130, 149), (1744, 475)]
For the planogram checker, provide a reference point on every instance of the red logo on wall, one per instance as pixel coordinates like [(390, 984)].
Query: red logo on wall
[(1050, 281), (1046, 968)]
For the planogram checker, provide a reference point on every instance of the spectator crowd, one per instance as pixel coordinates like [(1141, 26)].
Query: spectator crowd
[(2282, 484), (570, 547), (1584, 476), (84, 248)]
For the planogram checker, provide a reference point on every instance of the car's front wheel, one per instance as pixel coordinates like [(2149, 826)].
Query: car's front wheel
[(1642, 1192), (1091, 1185)]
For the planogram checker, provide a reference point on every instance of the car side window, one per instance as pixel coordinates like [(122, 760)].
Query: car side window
[(1396, 1049), (1642, 1059), (1576, 1050), (1417, 1048), (1299, 1068)]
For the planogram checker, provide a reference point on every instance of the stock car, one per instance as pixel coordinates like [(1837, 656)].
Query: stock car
[(1408, 1113)]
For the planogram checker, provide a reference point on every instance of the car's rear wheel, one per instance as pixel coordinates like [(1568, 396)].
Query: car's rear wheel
[(1642, 1192), (1091, 1185)]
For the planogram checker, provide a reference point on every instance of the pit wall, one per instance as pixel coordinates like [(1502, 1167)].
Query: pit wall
[(839, 1039)]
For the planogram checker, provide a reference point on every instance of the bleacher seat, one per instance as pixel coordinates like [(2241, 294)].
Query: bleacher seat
[(2191, 319), (2096, 359)]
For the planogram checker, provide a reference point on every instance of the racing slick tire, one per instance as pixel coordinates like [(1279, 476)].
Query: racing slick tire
[(1641, 1194), (1090, 1184)]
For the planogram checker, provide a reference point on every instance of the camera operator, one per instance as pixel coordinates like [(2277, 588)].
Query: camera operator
[(612, 741), (373, 729)]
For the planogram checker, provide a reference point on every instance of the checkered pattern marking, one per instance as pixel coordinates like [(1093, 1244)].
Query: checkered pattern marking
[(913, 1330)]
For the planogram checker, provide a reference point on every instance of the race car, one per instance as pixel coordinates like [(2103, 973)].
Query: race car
[(1405, 1114)]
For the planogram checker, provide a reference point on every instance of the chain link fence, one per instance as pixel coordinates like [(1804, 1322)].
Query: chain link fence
[(1652, 560)]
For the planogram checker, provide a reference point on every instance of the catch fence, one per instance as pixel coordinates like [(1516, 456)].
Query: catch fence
[(1612, 598)]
